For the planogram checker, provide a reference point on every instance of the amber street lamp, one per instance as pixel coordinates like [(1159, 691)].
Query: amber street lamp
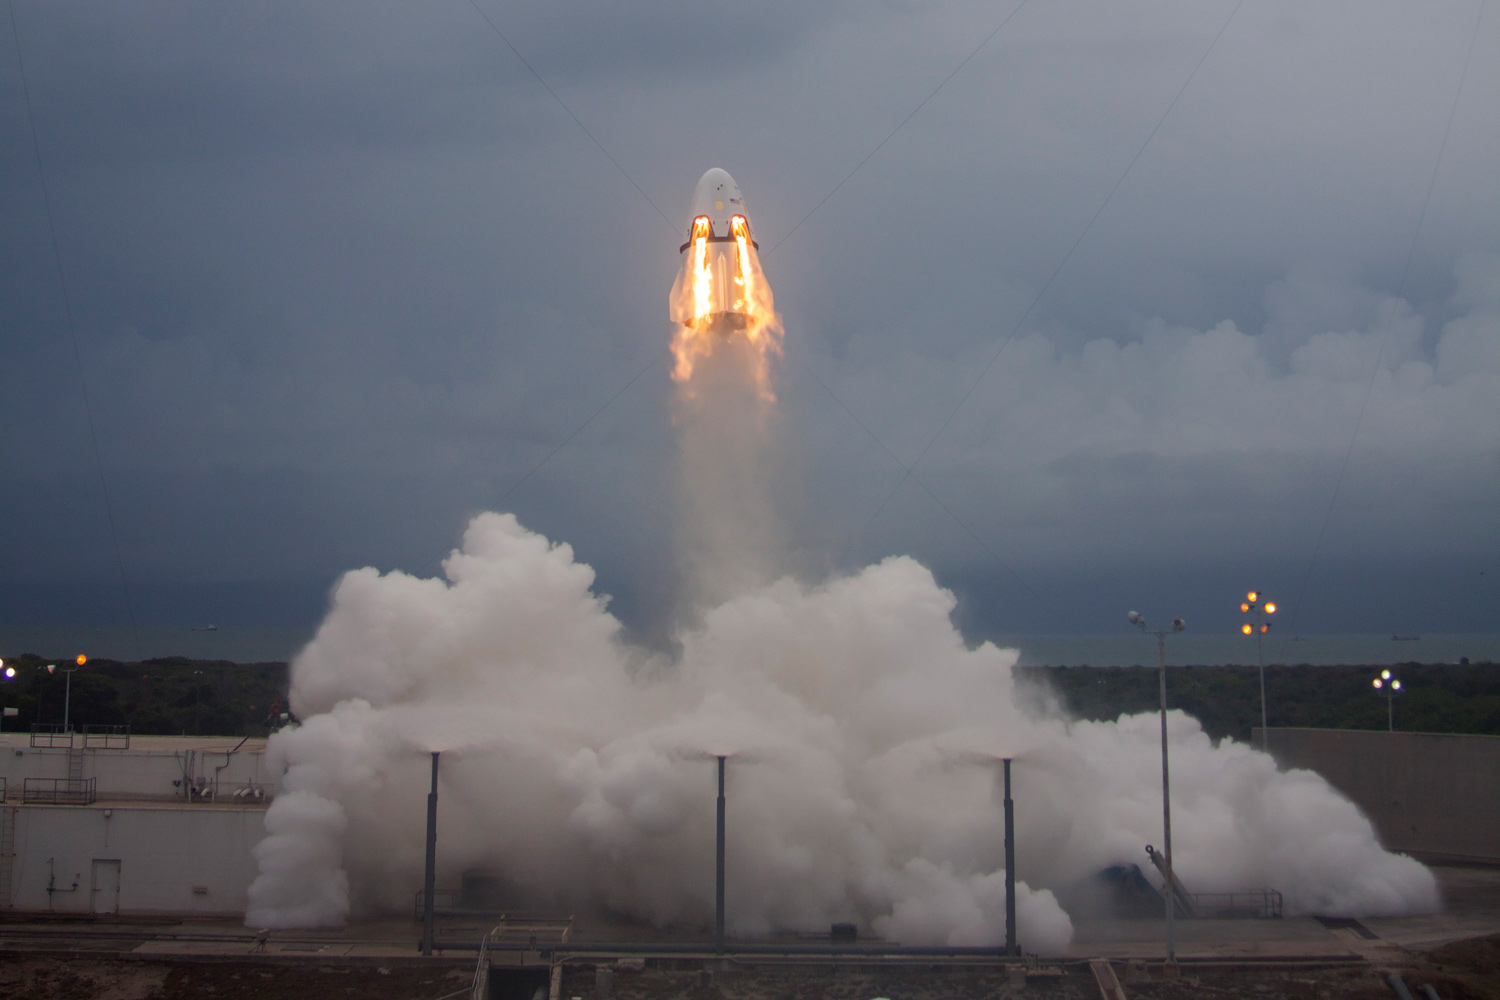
[(1390, 685), (1254, 605)]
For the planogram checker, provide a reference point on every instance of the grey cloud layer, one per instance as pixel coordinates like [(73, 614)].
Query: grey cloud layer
[(342, 276)]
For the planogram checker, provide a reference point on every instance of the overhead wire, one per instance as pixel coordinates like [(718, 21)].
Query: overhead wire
[(908, 470), (569, 111), (1385, 334), (83, 386), (925, 489), (1037, 298), (642, 192), (899, 126), (639, 190)]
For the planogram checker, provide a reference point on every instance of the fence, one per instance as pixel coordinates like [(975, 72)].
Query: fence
[(1262, 904), (60, 791), (51, 735), (106, 737)]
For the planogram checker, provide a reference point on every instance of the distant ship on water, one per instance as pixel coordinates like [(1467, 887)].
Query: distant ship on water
[(205, 628)]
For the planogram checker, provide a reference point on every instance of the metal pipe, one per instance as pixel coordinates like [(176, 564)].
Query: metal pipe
[(430, 881), (1011, 948), (1398, 985), (719, 869), (708, 950), (1166, 804)]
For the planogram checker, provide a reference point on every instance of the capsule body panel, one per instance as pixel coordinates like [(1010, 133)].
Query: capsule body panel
[(720, 285)]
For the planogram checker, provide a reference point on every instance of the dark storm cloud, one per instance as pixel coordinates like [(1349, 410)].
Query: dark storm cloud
[(342, 274)]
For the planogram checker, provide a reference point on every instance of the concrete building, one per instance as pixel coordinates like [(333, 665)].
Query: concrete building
[(1435, 796), (107, 823)]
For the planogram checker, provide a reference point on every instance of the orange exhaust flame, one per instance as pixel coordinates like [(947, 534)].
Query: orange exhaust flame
[(721, 293)]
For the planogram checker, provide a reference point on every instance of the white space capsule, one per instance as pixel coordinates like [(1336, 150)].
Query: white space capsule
[(720, 285)]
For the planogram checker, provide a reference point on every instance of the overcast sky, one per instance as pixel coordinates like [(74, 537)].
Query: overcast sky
[(342, 273)]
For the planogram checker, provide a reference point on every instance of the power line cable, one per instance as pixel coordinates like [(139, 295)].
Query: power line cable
[(881, 144), (1060, 265), (1385, 334), (916, 479), (569, 111), (580, 429), (83, 386), (642, 192)]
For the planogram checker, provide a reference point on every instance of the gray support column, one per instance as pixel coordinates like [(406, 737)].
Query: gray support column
[(719, 870), (430, 881), (1011, 948)]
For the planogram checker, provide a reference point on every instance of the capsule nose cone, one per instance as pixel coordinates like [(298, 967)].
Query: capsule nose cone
[(718, 197)]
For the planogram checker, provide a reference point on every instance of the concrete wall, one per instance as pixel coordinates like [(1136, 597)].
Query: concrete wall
[(141, 772), (164, 851), (1436, 796)]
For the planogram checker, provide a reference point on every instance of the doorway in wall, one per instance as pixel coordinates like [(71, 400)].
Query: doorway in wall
[(105, 891)]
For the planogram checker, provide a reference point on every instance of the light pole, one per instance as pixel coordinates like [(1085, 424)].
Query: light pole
[(1252, 604), (719, 867), (1390, 685), (1170, 893), (79, 661), (7, 673)]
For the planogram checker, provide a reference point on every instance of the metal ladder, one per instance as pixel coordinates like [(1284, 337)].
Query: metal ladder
[(7, 853), (75, 767)]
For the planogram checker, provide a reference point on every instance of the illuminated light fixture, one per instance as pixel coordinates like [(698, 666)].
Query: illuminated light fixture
[(1270, 608), (10, 672), (51, 668), (1385, 675), (1246, 628), (1252, 596), (1265, 628), (1244, 607), (1395, 685), (81, 660), (1378, 683)]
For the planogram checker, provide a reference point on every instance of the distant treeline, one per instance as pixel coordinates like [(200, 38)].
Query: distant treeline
[(1438, 698), (175, 696), (165, 697)]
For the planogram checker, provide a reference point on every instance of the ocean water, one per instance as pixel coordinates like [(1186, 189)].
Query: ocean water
[(255, 645)]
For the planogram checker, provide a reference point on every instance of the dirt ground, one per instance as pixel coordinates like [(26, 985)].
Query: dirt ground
[(1466, 970)]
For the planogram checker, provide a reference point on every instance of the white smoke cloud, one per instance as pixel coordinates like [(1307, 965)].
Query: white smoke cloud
[(862, 733)]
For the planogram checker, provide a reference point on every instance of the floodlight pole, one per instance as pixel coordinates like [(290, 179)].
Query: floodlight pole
[(719, 868), (429, 885), (1170, 890), (1260, 656), (1166, 802)]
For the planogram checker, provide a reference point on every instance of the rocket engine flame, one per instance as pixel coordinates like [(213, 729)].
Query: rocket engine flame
[(721, 291)]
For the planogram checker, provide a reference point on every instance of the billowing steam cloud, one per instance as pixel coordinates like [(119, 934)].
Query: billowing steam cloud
[(863, 732), (861, 787)]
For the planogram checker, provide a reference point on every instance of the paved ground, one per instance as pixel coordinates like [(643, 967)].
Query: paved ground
[(1297, 957)]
